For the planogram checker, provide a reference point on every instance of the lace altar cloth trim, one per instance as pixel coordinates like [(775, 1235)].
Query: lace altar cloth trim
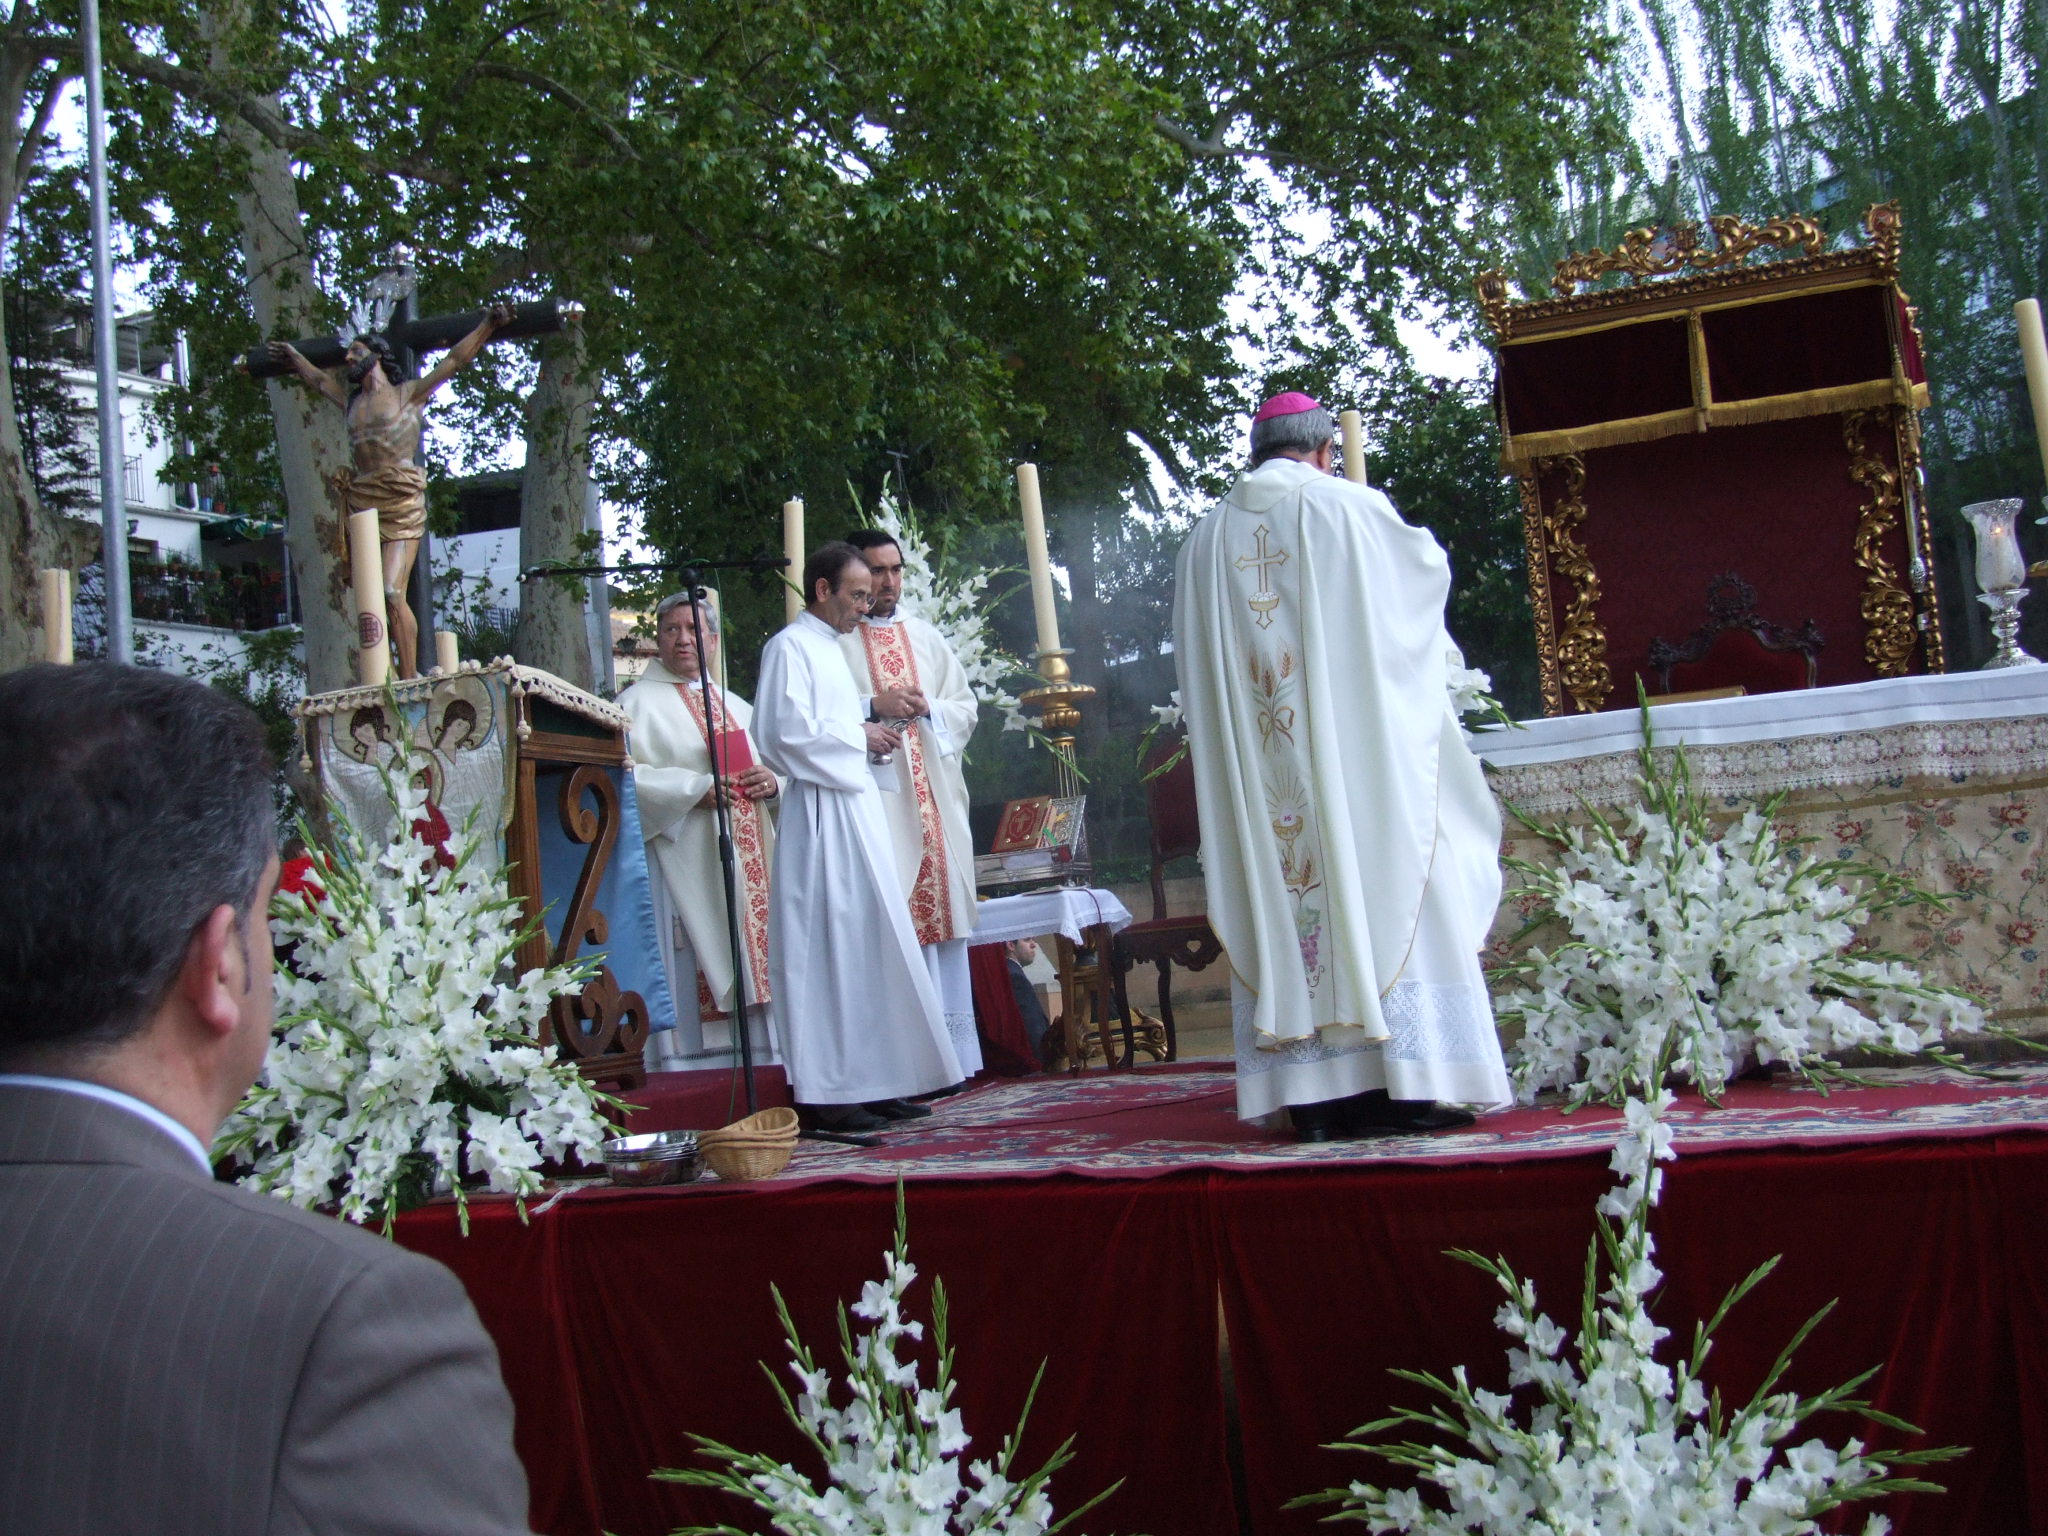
[(1449, 1024), (517, 680), (1874, 760)]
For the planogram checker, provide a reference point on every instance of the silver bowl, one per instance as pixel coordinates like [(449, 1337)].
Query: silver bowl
[(658, 1157)]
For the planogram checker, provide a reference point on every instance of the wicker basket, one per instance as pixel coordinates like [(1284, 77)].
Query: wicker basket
[(757, 1147)]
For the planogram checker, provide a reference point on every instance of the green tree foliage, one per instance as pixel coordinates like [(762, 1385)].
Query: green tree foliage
[(1761, 107), (44, 323), (1436, 453)]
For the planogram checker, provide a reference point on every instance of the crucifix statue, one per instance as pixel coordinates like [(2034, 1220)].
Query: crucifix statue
[(382, 400)]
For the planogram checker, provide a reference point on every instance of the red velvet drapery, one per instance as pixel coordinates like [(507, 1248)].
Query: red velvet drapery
[(626, 1322)]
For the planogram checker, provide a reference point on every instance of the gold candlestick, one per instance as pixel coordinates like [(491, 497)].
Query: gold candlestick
[(1058, 707)]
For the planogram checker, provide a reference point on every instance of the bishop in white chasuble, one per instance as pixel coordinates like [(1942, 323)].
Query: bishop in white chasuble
[(861, 1022), (670, 741), (905, 672), (1349, 840)]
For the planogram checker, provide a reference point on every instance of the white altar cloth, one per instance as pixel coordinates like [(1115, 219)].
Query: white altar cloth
[(1067, 911), (1857, 734)]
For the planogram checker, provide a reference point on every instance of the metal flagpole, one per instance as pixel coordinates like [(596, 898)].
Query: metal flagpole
[(113, 492)]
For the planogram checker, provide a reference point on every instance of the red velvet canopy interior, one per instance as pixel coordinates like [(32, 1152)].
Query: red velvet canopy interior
[(1772, 503)]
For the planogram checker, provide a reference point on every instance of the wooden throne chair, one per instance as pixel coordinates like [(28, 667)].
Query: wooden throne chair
[(1737, 647), (1161, 940)]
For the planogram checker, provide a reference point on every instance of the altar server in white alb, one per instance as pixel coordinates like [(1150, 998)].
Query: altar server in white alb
[(910, 679), (1349, 840), (861, 1023), (673, 720)]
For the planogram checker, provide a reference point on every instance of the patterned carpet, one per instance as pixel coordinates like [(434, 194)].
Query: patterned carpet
[(1161, 1120)]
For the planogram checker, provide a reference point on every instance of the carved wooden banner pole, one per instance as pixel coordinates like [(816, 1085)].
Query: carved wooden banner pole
[(366, 567)]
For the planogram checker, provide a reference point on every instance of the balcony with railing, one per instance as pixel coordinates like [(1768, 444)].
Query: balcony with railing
[(253, 597)]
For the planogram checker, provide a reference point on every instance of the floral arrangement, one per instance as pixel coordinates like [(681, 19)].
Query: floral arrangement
[(1471, 692), (1710, 949), (893, 1454), (1619, 1443), (951, 602), (405, 1045)]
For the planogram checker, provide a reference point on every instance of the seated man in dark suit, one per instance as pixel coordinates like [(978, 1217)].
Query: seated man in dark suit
[(178, 1356)]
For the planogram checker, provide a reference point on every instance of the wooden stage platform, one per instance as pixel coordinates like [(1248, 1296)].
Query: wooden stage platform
[(1121, 1227)]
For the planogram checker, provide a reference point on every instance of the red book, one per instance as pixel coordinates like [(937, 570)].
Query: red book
[(734, 752)]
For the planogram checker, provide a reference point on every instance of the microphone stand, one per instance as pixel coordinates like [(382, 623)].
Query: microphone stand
[(692, 573), (722, 812)]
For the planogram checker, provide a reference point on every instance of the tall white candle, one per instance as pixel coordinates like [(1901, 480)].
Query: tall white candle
[(1039, 558), (447, 653), (57, 616), (366, 569), (1352, 425), (794, 598), (2034, 349)]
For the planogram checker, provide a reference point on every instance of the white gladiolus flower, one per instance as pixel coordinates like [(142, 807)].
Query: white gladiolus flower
[(401, 1016), (952, 604), (892, 1455), (1619, 1443), (1707, 951)]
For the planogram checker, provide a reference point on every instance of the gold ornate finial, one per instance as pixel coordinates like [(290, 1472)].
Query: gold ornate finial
[(1654, 252), (1881, 223), (1493, 300)]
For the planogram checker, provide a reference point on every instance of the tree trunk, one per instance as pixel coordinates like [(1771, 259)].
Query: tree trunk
[(32, 538), (554, 512), (312, 436)]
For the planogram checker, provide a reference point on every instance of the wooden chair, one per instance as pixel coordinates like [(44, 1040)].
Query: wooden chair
[(1164, 941), (1738, 647)]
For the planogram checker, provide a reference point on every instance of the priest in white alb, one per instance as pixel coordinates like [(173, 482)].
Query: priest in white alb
[(862, 1028), (910, 680), (675, 707), (1349, 840)]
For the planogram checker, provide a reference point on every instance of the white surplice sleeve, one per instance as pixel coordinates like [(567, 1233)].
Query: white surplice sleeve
[(954, 709), (797, 738)]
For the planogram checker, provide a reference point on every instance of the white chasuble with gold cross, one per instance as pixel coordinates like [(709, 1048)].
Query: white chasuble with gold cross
[(1349, 840)]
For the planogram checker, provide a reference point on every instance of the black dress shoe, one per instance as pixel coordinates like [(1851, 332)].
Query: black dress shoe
[(898, 1109), (1317, 1122), (1373, 1113), (842, 1117)]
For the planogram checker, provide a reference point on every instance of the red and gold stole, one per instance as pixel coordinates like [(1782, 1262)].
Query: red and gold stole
[(892, 664), (750, 853)]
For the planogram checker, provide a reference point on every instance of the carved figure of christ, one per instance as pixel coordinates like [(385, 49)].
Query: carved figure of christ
[(384, 428)]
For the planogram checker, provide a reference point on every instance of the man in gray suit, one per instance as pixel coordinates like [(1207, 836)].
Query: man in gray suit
[(177, 1356)]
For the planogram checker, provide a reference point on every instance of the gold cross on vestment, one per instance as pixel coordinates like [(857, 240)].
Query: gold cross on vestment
[(1267, 599)]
